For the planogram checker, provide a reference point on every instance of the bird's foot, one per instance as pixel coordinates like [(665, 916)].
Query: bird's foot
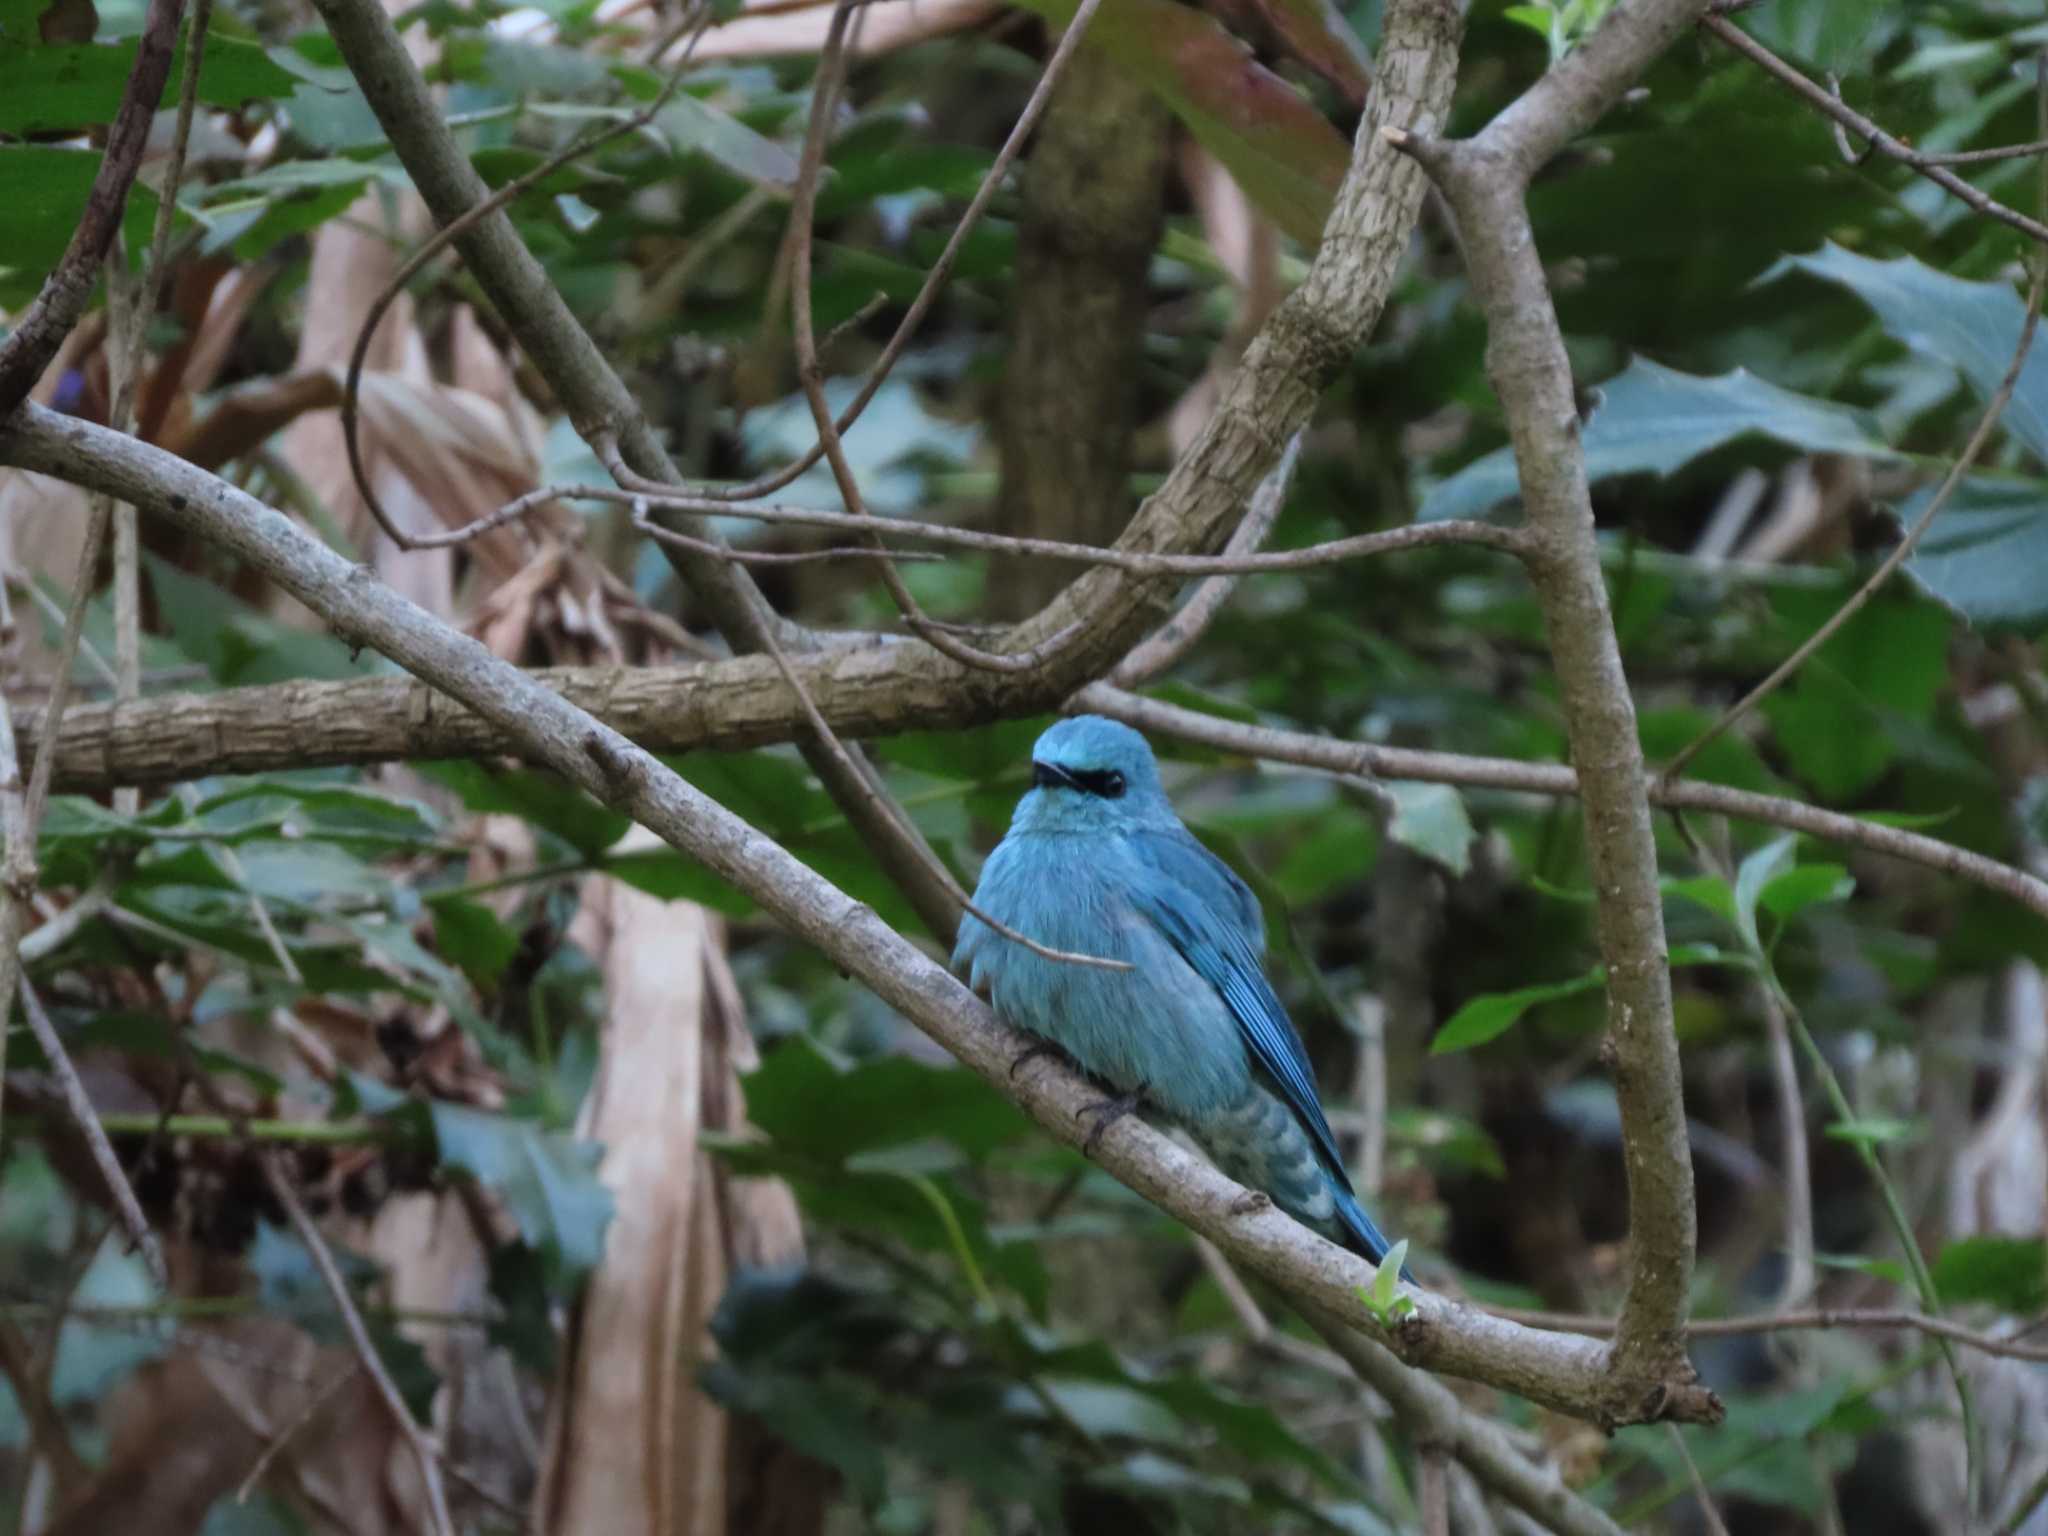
[(1107, 1113), (1250, 1203), (1032, 1053)]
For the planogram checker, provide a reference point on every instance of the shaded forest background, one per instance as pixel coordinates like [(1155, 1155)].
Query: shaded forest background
[(665, 1225)]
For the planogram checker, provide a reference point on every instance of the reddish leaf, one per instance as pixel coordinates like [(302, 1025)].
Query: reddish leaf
[(1287, 158), (1313, 32)]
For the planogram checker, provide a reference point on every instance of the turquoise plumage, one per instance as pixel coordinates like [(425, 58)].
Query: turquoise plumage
[(1097, 863)]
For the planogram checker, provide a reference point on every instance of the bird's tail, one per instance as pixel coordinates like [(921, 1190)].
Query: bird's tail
[(1360, 1233)]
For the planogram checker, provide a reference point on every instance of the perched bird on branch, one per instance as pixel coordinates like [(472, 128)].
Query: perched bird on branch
[(1097, 864)]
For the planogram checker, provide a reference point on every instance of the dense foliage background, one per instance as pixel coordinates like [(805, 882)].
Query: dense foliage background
[(438, 987)]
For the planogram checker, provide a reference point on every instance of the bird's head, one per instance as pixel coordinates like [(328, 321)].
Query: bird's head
[(1091, 774)]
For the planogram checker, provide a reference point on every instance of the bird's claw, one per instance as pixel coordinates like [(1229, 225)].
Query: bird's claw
[(1251, 1202), (1106, 1114), (1032, 1053)]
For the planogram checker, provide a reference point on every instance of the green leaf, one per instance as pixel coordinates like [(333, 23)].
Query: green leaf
[(1449, 1140), (1809, 885), (2010, 1273), (1758, 870), (1884, 1269), (1840, 719), (474, 937), (548, 802), (1709, 891), (1653, 420), (829, 1112), (67, 88), (691, 123), (548, 1180), (1974, 326), (1984, 554), (1876, 1130), (1484, 1018), (1431, 819), (1827, 34), (43, 187), (234, 641)]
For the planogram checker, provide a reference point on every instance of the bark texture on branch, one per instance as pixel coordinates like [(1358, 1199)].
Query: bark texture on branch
[(1486, 180), (875, 688), (1559, 1370)]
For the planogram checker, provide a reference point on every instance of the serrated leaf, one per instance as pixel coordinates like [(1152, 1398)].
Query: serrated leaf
[(1974, 326), (1984, 553), (1653, 420), (547, 1179)]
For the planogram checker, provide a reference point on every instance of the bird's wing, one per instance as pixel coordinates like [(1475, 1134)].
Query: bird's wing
[(1198, 902)]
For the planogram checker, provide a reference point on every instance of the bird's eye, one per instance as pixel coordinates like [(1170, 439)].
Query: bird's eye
[(1103, 783)]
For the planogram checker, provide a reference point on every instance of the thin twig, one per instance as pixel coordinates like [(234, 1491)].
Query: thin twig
[(1812, 1319), (412, 265), (1849, 152), (1716, 1526), (810, 375), (1135, 561), (942, 269), (1900, 552), (285, 1433), (423, 1448), (1984, 156), (17, 872), (1433, 1491), (46, 1429), (1799, 1241), (79, 1102), (2023, 1511), (67, 651), (882, 804), (1165, 646), (1933, 167), (1344, 757)]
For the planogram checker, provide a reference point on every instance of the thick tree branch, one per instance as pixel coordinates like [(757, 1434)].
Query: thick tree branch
[(1096, 621), (878, 688), (1485, 179), (33, 340), (1567, 1373)]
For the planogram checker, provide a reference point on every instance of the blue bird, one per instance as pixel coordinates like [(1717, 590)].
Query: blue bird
[(1097, 863)]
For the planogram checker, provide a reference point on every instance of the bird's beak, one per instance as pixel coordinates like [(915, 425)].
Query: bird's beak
[(1051, 776)]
